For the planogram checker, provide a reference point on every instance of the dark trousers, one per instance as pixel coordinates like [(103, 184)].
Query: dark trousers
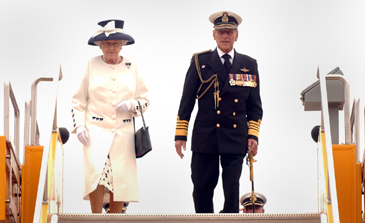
[(205, 174)]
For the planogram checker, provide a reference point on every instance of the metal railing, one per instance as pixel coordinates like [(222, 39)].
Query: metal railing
[(42, 193), (355, 124), (27, 119), (325, 125), (13, 168), (33, 110), (9, 94)]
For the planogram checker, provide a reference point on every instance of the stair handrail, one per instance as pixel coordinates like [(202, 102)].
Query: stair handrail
[(42, 193), (9, 94), (27, 119), (325, 125), (34, 138)]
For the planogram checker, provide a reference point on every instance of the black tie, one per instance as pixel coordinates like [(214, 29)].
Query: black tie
[(227, 63)]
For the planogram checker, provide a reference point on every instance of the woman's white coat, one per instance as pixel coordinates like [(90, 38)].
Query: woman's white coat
[(102, 87)]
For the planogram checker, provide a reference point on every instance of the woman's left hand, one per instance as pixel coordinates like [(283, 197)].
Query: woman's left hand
[(126, 105), (82, 135)]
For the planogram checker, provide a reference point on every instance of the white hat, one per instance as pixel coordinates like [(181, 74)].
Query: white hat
[(246, 199), (225, 20)]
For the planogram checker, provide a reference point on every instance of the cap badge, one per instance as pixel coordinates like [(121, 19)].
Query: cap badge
[(225, 17)]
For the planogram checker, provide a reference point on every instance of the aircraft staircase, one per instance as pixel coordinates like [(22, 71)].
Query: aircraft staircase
[(32, 191)]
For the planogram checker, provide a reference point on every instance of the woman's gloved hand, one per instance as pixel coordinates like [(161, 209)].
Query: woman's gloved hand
[(82, 135), (126, 105)]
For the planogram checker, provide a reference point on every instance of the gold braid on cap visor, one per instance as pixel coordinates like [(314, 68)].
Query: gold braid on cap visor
[(225, 26), (250, 203)]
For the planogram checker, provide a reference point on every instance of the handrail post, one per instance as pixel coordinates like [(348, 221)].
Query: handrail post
[(347, 113), (26, 122), (9, 94), (6, 111), (33, 111), (357, 129), (355, 123)]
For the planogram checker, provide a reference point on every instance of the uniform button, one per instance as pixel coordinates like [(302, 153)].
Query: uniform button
[(218, 112), (235, 100), (219, 99), (113, 78), (234, 126), (234, 113), (113, 68), (218, 125)]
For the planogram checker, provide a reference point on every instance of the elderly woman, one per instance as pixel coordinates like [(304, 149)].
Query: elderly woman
[(103, 108)]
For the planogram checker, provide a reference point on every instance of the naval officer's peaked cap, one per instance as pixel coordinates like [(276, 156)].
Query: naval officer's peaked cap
[(246, 199), (225, 20)]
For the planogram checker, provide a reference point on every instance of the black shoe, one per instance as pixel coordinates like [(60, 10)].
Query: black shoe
[(106, 207)]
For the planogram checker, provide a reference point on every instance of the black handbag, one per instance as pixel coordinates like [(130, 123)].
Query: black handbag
[(142, 138)]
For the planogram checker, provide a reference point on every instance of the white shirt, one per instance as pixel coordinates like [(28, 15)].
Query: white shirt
[(221, 53)]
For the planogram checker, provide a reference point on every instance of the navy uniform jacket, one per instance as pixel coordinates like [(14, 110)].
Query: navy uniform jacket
[(226, 128)]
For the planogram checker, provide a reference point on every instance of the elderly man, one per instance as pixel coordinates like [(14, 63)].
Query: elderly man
[(226, 84), (253, 207)]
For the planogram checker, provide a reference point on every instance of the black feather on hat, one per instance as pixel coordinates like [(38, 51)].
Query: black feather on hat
[(111, 30)]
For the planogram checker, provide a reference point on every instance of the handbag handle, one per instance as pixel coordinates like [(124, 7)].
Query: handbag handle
[(140, 108)]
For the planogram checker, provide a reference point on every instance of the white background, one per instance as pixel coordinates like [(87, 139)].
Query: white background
[(289, 39)]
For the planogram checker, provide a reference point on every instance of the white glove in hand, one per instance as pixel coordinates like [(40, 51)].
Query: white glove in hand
[(126, 105), (82, 135)]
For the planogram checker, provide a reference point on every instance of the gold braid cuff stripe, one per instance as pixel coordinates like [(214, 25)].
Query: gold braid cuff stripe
[(181, 127), (254, 128)]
